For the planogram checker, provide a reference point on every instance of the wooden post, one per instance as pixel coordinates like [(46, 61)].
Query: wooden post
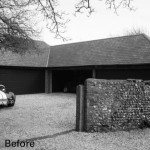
[(80, 108), (48, 81), (93, 73)]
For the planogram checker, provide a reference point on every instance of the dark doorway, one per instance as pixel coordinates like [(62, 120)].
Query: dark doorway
[(60, 78), (143, 74), (67, 80), (23, 81)]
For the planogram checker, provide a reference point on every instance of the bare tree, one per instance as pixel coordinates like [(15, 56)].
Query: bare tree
[(132, 31), (137, 31), (16, 26), (16, 18)]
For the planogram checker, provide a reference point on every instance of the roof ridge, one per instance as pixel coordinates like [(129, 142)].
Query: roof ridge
[(101, 39)]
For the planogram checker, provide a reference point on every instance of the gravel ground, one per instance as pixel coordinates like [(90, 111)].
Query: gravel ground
[(49, 119)]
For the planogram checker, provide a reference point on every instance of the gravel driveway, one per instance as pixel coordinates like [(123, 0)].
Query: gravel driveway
[(49, 120), (37, 115)]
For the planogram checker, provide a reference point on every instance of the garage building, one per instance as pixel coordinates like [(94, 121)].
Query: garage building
[(68, 65), (24, 74)]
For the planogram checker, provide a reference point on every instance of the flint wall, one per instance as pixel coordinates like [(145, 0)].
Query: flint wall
[(111, 105)]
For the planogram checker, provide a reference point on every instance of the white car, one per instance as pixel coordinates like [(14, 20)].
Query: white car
[(6, 99)]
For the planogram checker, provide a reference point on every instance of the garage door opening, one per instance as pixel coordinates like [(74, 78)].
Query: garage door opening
[(67, 80), (22, 81), (123, 74)]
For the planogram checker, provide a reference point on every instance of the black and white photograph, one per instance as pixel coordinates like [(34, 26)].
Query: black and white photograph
[(74, 75)]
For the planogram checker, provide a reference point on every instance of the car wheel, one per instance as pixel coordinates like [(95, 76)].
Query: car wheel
[(11, 99)]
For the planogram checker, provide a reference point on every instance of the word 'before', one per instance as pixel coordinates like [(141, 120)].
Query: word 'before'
[(19, 143)]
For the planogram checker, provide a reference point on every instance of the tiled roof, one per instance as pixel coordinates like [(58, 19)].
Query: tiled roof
[(134, 49), (33, 59)]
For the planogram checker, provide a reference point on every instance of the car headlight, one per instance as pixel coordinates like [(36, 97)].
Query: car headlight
[(3, 90)]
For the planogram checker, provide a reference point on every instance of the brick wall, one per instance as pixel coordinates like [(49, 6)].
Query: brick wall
[(116, 105)]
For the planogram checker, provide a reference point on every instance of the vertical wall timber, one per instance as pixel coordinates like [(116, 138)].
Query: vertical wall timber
[(48, 81), (93, 72)]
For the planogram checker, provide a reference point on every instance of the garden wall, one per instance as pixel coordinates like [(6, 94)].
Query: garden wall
[(110, 105)]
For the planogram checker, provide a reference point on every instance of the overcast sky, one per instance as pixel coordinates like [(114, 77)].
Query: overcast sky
[(103, 23)]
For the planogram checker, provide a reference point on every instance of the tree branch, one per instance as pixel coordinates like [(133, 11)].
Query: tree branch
[(84, 5), (112, 4)]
